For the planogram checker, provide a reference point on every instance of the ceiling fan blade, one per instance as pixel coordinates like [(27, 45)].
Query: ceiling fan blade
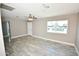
[(34, 17), (6, 7)]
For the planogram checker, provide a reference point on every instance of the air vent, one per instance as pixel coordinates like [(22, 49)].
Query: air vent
[(45, 6), (6, 7)]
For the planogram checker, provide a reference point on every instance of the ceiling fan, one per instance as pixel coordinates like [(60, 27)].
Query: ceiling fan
[(31, 18)]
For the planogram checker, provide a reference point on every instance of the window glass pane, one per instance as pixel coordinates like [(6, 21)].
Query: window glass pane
[(57, 26)]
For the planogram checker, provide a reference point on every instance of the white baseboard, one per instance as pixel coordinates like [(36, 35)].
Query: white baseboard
[(44, 39), (49, 40), (54, 40), (76, 50), (18, 36)]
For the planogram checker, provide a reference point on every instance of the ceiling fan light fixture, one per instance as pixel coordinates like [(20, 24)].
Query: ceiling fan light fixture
[(30, 18)]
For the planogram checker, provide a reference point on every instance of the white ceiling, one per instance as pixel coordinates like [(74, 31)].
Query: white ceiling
[(39, 10)]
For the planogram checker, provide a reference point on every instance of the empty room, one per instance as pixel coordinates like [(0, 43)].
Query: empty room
[(39, 29)]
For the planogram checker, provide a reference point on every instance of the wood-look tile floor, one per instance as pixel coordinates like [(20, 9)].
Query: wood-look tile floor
[(31, 46)]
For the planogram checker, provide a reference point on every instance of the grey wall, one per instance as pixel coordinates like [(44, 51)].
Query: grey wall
[(40, 28), (2, 49), (77, 41), (17, 25)]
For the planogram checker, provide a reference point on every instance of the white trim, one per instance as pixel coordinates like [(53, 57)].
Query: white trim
[(76, 50), (49, 40), (29, 28), (18, 36), (54, 40), (45, 39)]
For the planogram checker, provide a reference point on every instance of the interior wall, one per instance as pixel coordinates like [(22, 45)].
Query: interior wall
[(17, 26), (77, 41), (2, 49), (40, 28)]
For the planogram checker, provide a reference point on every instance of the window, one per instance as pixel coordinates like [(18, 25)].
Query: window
[(57, 26)]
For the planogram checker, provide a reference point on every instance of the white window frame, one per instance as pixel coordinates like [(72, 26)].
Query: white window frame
[(60, 32)]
